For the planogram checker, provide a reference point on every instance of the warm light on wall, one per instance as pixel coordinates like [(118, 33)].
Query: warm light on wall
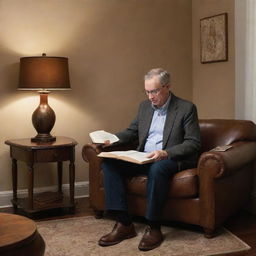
[(29, 26), (33, 40), (67, 113)]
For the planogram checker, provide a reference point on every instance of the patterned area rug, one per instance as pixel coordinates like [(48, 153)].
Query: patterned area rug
[(79, 237)]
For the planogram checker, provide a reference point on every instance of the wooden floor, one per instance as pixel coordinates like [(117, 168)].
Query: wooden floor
[(242, 225)]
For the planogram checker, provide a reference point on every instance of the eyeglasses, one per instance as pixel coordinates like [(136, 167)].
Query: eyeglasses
[(154, 92)]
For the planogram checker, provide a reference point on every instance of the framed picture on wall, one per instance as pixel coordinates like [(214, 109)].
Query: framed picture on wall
[(214, 38)]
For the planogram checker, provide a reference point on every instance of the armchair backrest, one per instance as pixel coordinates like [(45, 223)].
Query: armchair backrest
[(216, 132)]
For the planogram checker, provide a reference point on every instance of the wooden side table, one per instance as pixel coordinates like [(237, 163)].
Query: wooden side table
[(63, 149), (19, 236)]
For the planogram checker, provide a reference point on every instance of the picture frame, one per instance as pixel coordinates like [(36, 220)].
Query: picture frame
[(214, 38)]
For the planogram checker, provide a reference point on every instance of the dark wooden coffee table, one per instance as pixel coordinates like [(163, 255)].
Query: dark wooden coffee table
[(19, 236)]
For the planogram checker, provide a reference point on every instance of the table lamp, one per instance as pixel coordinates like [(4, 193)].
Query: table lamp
[(43, 73)]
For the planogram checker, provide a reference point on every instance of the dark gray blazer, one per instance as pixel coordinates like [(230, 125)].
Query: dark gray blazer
[(181, 138)]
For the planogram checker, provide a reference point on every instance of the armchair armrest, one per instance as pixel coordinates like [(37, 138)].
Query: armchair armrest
[(224, 182), (90, 151), (89, 154), (220, 164)]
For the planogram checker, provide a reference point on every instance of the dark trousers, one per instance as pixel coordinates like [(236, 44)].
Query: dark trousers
[(158, 173)]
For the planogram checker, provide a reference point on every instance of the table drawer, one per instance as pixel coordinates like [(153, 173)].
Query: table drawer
[(53, 155)]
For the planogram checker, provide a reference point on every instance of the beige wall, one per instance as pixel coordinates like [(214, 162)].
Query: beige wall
[(213, 83), (110, 45)]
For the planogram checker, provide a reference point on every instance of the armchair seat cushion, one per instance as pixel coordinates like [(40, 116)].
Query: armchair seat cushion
[(184, 184)]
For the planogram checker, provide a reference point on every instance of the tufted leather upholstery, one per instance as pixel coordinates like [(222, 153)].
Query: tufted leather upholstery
[(205, 196)]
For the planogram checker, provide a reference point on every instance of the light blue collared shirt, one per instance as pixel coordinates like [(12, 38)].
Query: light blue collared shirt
[(155, 135)]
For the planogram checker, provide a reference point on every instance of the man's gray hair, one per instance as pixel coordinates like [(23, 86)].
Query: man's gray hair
[(164, 76)]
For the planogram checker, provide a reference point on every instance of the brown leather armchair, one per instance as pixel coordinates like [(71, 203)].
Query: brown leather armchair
[(204, 196)]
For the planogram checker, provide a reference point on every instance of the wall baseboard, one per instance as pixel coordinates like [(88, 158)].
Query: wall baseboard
[(81, 190)]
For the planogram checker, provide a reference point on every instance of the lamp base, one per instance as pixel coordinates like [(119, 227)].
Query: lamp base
[(43, 120), (43, 138)]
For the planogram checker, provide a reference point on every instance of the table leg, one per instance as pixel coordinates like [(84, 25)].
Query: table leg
[(72, 182), (14, 178), (14, 182), (30, 186), (60, 177)]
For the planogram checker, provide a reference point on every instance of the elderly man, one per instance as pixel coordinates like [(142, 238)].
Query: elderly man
[(167, 128)]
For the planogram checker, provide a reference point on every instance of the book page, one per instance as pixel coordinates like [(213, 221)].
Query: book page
[(139, 156), (101, 136), (132, 154)]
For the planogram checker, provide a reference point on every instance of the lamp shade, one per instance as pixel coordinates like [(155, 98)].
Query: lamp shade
[(43, 72)]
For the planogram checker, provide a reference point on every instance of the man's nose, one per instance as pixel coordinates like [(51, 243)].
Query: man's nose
[(150, 96)]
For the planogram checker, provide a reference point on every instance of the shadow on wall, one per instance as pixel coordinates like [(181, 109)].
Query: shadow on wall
[(9, 79)]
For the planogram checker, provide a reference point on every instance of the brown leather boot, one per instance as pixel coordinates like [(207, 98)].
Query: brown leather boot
[(119, 233), (151, 239)]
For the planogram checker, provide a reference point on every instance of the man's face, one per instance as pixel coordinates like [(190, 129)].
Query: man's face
[(156, 93)]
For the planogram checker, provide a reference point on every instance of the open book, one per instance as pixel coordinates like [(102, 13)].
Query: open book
[(102, 136), (132, 156)]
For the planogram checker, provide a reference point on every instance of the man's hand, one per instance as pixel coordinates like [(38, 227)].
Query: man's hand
[(107, 143), (158, 155), (98, 147)]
